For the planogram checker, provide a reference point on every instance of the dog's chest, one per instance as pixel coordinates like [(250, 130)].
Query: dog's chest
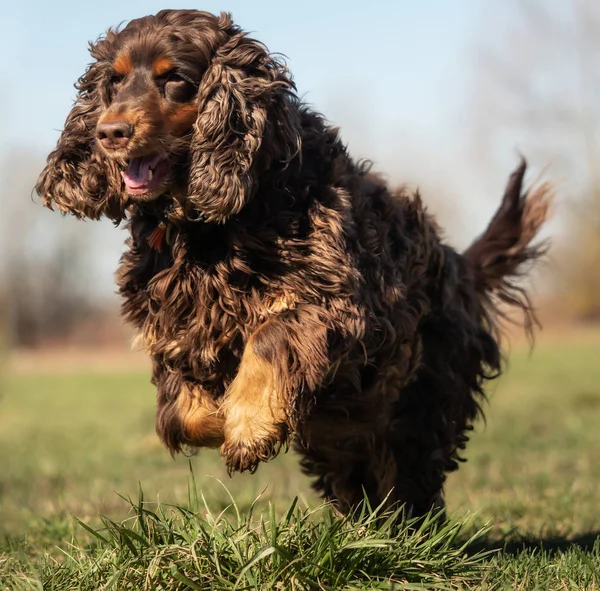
[(196, 316)]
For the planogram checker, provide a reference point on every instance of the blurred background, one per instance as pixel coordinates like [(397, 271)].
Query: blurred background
[(441, 94)]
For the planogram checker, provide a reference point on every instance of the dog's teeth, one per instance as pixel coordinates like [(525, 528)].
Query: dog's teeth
[(150, 175)]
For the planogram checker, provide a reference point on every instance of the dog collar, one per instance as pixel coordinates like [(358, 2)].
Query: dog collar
[(157, 236)]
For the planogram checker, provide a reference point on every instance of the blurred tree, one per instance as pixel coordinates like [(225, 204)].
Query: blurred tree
[(540, 85)]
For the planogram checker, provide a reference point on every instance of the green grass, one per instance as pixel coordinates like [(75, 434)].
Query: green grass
[(70, 445)]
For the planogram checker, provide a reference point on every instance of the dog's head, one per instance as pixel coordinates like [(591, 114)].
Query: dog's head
[(182, 104)]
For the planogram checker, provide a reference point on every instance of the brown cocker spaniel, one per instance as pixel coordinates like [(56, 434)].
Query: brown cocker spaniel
[(284, 292)]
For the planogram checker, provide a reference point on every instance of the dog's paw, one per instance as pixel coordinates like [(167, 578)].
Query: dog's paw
[(245, 454)]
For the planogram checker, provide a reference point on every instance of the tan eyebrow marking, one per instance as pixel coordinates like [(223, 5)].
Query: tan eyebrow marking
[(123, 64), (162, 65)]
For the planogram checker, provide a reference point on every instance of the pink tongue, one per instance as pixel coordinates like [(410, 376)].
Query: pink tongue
[(138, 171)]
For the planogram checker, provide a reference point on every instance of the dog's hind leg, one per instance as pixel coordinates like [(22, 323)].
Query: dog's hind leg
[(396, 463)]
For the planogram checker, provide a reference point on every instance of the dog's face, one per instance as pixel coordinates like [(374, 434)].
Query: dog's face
[(152, 106), (181, 104)]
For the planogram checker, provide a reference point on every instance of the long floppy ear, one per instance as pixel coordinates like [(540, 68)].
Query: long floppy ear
[(247, 122), (77, 179)]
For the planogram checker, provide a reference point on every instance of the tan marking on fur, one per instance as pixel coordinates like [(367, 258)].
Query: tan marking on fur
[(281, 304), (161, 65), (110, 116), (142, 120), (123, 64), (201, 421), (145, 341), (117, 115), (144, 131), (182, 118), (255, 413), (138, 343), (172, 349)]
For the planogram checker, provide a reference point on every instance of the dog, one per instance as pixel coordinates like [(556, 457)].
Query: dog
[(285, 293)]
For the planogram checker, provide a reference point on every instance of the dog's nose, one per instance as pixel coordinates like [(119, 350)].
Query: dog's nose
[(114, 135)]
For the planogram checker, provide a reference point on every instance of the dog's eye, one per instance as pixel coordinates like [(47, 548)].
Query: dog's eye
[(114, 83), (178, 88)]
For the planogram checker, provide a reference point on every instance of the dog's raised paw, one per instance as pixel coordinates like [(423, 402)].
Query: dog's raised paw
[(246, 455)]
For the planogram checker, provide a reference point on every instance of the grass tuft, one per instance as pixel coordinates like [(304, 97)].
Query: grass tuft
[(177, 548)]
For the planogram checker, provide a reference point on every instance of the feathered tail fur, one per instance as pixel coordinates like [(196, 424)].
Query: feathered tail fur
[(505, 251)]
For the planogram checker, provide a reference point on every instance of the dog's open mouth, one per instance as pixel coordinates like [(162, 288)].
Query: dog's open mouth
[(146, 174)]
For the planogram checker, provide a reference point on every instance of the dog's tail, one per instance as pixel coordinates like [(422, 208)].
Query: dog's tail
[(504, 252)]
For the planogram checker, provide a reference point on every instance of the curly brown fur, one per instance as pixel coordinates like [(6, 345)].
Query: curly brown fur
[(294, 296)]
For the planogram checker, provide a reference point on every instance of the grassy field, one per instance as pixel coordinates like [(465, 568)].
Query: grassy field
[(73, 444)]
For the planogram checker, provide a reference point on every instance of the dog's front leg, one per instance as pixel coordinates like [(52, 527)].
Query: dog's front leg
[(187, 415), (283, 361)]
